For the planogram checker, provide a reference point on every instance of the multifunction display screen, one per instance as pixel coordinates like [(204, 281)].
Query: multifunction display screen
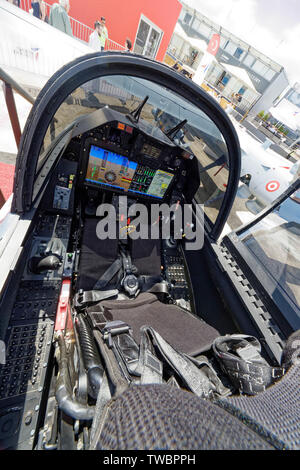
[(109, 168), (118, 172)]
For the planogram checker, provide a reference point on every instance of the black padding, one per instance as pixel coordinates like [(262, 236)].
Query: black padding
[(162, 417), (145, 255), (275, 412), (181, 329), (96, 255)]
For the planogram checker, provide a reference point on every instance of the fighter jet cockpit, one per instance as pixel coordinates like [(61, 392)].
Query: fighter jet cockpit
[(126, 172)]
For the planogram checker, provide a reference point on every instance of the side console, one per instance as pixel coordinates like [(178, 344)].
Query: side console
[(29, 334)]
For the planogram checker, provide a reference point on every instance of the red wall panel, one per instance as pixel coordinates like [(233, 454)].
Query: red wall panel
[(122, 18)]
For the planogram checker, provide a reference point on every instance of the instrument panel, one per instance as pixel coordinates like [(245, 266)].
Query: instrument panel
[(115, 171), (120, 157)]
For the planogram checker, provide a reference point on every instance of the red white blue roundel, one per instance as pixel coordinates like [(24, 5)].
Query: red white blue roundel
[(272, 186)]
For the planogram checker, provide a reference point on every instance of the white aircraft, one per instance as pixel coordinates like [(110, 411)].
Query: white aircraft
[(265, 173)]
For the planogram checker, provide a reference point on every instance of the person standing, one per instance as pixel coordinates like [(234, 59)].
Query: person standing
[(95, 37), (35, 9), (128, 45), (39, 10), (59, 17), (104, 34)]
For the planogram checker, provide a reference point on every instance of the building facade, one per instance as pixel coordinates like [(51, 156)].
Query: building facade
[(239, 67), (148, 24)]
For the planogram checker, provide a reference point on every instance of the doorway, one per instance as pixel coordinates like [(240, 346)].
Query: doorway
[(148, 38)]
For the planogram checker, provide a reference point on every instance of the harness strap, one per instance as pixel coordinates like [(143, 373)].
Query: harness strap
[(108, 275), (85, 298)]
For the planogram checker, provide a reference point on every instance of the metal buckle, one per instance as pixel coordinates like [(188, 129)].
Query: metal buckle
[(131, 284), (114, 328)]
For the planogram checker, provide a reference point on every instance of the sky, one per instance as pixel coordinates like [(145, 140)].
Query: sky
[(271, 26)]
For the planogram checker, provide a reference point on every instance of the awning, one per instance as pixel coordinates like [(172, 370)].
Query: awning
[(287, 113), (180, 32), (239, 73), (199, 44)]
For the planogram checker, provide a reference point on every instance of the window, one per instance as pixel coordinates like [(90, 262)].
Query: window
[(164, 110), (226, 79), (196, 24), (176, 45), (249, 60), (230, 47), (260, 68), (270, 74), (294, 98), (223, 41), (239, 53), (187, 18), (205, 30), (275, 243), (148, 38)]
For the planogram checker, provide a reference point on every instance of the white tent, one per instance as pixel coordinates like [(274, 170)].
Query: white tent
[(180, 32), (199, 44), (239, 73), (194, 42), (287, 113)]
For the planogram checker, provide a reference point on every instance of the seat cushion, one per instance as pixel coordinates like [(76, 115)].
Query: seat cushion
[(148, 417), (183, 330)]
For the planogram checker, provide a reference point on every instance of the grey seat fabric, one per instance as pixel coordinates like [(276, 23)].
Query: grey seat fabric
[(275, 412), (149, 417), (184, 331)]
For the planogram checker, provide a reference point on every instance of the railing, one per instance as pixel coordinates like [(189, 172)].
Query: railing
[(80, 31), (9, 84)]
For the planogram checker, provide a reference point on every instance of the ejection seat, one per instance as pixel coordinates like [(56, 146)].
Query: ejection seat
[(183, 330)]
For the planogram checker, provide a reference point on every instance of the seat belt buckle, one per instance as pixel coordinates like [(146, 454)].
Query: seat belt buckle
[(131, 285), (114, 328)]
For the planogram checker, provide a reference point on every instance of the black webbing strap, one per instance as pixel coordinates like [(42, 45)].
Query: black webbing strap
[(153, 284), (85, 298), (108, 275), (240, 358)]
